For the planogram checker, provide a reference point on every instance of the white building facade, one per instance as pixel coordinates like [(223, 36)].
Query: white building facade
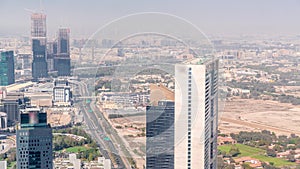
[(61, 93), (196, 115)]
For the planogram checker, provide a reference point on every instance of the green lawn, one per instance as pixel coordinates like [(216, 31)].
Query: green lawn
[(244, 149), (277, 161), (76, 149), (256, 153)]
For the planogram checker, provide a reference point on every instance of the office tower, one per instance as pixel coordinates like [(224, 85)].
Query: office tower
[(160, 135), (39, 40), (7, 68), (196, 115), (34, 140), (62, 61), (62, 93)]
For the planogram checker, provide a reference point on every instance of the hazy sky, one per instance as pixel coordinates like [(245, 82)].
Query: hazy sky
[(214, 17)]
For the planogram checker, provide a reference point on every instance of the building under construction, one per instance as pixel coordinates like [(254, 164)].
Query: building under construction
[(39, 41), (62, 62)]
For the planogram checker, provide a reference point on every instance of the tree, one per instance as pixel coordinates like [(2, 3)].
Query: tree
[(291, 158), (91, 157), (246, 166), (271, 152), (278, 148), (234, 151)]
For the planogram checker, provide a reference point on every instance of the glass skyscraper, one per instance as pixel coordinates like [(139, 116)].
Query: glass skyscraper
[(160, 135), (62, 61), (7, 68)]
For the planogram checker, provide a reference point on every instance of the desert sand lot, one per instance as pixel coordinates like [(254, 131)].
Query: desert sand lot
[(255, 115)]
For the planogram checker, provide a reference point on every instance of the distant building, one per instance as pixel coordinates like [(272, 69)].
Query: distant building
[(51, 51), (11, 106), (7, 68), (3, 164), (62, 94), (3, 92), (62, 60), (160, 135), (107, 43), (254, 163), (25, 61), (39, 42), (226, 140), (196, 114), (3, 120), (76, 162), (34, 140), (105, 162)]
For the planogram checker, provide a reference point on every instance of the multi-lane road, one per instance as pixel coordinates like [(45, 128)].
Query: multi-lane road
[(101, 130)]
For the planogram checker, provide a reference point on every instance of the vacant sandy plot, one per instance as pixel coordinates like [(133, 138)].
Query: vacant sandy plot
[(250, 114), (59, 118)]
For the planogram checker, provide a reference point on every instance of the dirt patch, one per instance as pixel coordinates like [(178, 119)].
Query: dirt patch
[(253, 115)]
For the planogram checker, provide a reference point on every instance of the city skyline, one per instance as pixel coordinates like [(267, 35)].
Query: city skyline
[(135, 85), (215, 18)]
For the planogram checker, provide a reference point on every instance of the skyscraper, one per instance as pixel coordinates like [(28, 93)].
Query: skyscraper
[(160, 135), (39, 42), (62, 62), (7, 68), (196, 115), (34, 141)]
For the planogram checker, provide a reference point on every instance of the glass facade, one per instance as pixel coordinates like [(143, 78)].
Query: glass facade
[(160, 135), (7, 68)]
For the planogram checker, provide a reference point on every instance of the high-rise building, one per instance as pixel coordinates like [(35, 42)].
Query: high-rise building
[(160, 135), (34, 140), (196, 115), (62, 61), (7, 68), (39, 42)]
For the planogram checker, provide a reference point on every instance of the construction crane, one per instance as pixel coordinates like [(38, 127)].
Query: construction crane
[(32, 11)]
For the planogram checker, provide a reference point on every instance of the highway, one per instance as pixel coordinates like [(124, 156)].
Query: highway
[(101, 131)]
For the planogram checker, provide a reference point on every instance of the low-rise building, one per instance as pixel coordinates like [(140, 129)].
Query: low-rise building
[(3, 164)]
